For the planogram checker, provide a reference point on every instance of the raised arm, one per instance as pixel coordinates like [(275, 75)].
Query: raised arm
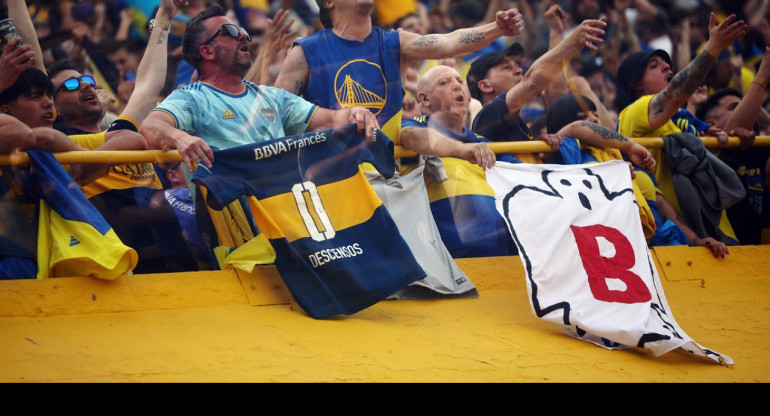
[(151, 73), (549, 66), (581, 85), (275, 40), (461, 41), (665, 104), (750, 106), (554, 18), (18, 12)]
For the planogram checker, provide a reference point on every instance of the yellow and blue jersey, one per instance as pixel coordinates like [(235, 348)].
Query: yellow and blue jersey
[(464, 204), (73, 237), (337, 248)]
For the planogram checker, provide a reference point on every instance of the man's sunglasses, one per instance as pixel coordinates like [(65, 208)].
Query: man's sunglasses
[(230, 29), (72, 84)]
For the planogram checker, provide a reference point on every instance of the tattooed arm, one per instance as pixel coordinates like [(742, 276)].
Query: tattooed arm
[(461, 41), (597, 135), (665, 103), (295, 71), (151, 72)]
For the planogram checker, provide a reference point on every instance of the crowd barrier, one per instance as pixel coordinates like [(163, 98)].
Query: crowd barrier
[(161, 156)]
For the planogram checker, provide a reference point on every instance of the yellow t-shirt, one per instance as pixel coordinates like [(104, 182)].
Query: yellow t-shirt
[(388, 11), (634, 121), (122, 176)]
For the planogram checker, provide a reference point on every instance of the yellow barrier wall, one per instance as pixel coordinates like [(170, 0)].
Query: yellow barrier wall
[(228, 326)]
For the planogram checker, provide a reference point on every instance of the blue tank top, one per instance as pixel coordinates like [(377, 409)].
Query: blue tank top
[(345, 73)]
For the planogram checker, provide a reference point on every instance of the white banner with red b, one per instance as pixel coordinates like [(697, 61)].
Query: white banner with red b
[(588, 266)]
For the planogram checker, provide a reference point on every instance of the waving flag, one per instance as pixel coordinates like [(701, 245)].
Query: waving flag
[(588, 267), (73, 237)]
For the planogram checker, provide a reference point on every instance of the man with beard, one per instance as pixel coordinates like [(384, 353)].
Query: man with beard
[(221, 109)]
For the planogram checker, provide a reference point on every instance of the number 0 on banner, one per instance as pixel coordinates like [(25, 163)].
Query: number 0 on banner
[(319, 226)]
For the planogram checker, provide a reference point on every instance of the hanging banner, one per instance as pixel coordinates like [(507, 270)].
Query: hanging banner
[(589, 270)]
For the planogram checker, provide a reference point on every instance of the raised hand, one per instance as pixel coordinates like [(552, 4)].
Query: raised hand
[(510, 22), (589, 33), (723, 35), (13, 62)]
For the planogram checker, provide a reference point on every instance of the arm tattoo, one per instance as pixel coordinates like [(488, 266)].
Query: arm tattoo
[(299, 87), (472, 36), (161, 37), (604, 132), (426, 40), (685, 82)]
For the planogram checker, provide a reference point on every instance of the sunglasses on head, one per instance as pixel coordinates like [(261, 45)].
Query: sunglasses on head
[(72, 84), (230, 29)]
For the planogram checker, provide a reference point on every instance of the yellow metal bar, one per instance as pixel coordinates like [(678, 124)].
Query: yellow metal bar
[(535, 146), (160, 156), (115, 156)]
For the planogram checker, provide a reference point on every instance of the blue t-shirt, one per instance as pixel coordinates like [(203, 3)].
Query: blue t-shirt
[(224, 120)]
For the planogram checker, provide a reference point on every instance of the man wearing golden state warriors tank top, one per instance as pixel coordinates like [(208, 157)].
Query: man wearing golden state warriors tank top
[(353, 62)]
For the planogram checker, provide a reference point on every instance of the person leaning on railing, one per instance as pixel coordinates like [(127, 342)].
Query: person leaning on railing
[(657, 111)]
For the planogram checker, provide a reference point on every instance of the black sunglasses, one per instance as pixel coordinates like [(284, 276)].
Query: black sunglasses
[(230, 29), (72, 84)]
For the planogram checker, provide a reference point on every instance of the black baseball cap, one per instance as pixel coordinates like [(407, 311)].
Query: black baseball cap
[(632, 68), (481, 66)]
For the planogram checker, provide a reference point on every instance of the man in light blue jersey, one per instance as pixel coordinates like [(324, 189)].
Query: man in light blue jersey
[(222, 110)]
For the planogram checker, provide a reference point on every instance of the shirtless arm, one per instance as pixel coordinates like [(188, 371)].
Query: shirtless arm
[(459, 42), (295, 72), (151, 73)]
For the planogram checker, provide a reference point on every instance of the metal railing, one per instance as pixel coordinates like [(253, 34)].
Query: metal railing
[(161, 156)]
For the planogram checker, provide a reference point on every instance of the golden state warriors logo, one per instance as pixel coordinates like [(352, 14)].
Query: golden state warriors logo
[(268, 113), (361, 83)]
